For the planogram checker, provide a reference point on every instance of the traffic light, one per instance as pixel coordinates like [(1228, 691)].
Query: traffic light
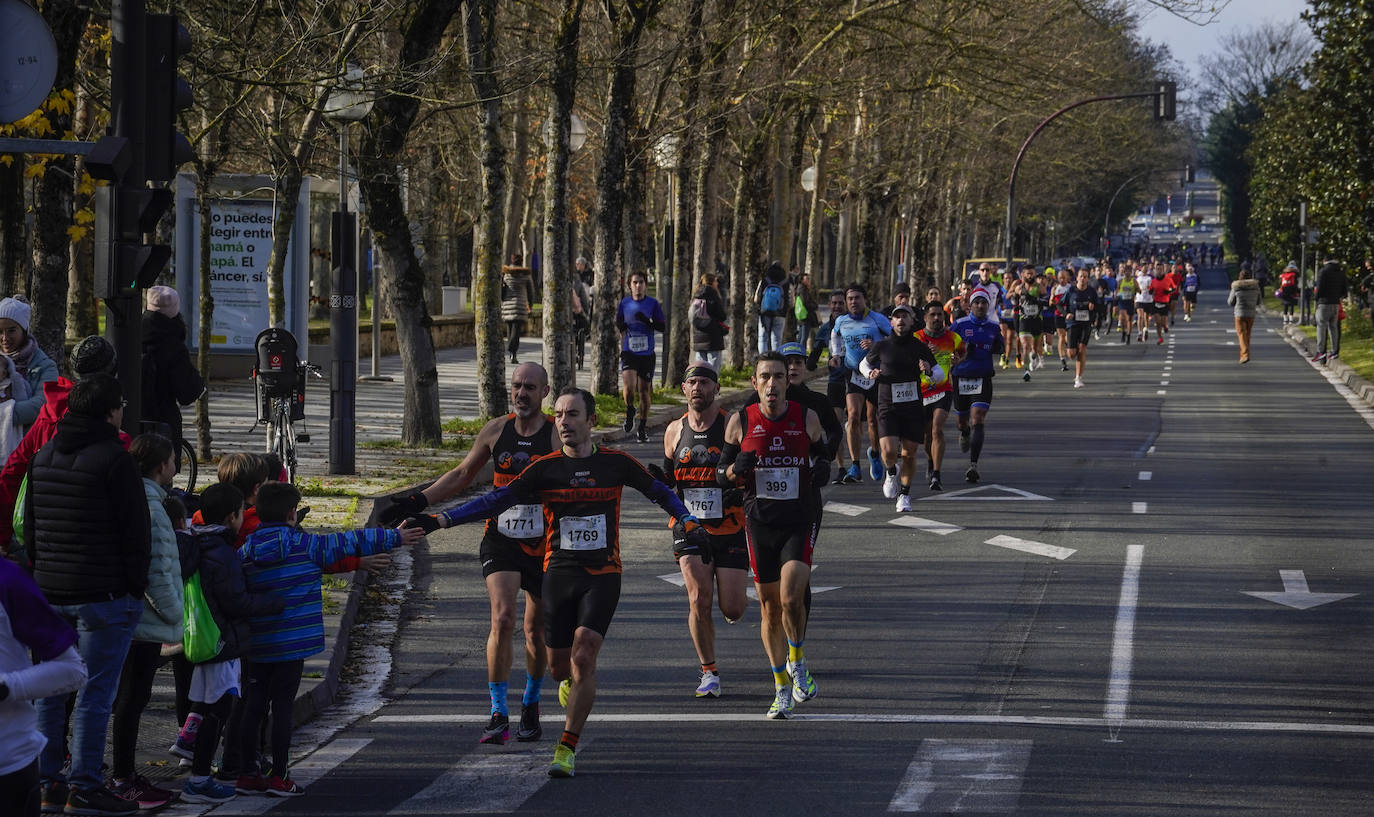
[(165, 94), (1166, 98), (124, 265)]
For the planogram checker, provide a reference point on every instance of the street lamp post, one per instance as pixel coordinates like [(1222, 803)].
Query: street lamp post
[(666, 157), (345, 104)]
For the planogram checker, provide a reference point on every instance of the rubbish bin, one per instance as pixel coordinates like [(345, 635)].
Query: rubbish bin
[(454, 300)]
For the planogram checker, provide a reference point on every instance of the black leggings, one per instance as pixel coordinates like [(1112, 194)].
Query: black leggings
[(271, 685), (213, 718), (514, 329), (135, 688), (19, 792)]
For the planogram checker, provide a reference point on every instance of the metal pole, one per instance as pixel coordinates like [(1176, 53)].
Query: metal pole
[(1302, 228), (124, 327), (343, 329)]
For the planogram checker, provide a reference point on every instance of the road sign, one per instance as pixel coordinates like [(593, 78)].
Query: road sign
[(29, 63), (1295, 593)]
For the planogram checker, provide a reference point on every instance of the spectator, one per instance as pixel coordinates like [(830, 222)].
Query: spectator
[(29, 627), (214, 682), (160, 624), (92, 355), (769, 297), (93, 567), (517, 293), (169, 379), (247, 472), (24, 360), (282, 559), (1289, 292), (1331, 289), (708, 321), (1244, 299), (806, 310)]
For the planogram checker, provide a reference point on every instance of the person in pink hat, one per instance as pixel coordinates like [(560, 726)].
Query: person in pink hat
[(169, 379)]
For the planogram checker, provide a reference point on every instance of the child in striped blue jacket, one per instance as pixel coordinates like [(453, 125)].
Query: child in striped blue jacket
[(281, 559)]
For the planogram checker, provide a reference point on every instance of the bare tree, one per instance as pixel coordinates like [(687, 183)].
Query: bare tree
[(1254, 61)]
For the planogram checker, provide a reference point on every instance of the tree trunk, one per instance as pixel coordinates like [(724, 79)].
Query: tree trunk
[(479, 22), (378, 162), (514, 195), (204, 178), (557, 317), (738, 264), (813, 229)]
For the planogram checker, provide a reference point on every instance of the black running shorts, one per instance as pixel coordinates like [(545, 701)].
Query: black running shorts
[(1080, 333), (572, 599), (500, 556), (642, 365), (906, 421), (770, 548), (980, 397)]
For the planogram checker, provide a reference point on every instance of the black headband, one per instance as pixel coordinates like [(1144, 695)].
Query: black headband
[(701, 371)]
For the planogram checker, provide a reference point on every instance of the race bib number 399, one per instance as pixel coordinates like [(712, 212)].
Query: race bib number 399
[(522, 522), (970, 385), (776, 483), (582, 532)]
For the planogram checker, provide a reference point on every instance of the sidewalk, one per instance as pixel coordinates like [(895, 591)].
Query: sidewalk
[(380, 471)]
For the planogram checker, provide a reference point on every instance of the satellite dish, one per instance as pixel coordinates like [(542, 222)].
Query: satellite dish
[(29, 64)]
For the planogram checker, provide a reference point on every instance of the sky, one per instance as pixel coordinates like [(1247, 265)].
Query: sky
[(1187, 40)]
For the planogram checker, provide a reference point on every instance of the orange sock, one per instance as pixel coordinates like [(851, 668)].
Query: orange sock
[(569, 740), (711, 667)]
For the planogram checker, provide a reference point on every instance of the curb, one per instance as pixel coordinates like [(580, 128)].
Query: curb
[(1352, 380)]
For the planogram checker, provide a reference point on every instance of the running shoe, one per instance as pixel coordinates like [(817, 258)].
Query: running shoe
[(141, 790), (891, 486), (1063, 365), (54, 797), (1026, 377), (497, 731), (1128, 339), (563, 759), (208, 791), (875, 464), (183, 748), (1159, 341), (283, 787), (903, 503), (251, 784), (839, 476), (803, 685), (852, 477), (1005, 362), (99, 800), (629, 423), (1189, 319), (935, 484), (964, 440), (564, 689), (1078, 382), (971, 474), (641, 435), (1019, 364), (781, 709), (529, 729), (1319, 358), (709, 686)]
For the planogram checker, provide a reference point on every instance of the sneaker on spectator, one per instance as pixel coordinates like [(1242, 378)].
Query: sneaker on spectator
[(283, 787), (141, 790)]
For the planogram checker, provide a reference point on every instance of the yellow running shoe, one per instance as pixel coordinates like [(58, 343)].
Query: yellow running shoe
[(564, 689), (562, 765)]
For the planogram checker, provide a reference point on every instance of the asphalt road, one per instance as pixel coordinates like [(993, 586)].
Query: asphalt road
[(1113, 664)]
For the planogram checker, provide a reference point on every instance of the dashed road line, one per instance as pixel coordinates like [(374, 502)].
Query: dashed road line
[(927, 525), (1029, 546)]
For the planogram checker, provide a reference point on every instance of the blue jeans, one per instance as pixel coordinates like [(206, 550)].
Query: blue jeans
[(104, 630), (770, 332)]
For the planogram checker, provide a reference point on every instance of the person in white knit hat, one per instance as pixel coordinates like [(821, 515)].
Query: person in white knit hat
[(29, 362)]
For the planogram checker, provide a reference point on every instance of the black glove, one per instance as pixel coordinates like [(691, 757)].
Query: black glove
[(732, 497), (696, 542), (745, 462), (820, 474), (400, 507), (643, 318), (657, 472), (429, 523)]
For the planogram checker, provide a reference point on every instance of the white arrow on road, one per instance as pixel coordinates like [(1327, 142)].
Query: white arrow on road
[(1295, 593)]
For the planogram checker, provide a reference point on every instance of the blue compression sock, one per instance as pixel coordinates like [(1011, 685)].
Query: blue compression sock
[(498, 697), (976, 443), (533, 688)]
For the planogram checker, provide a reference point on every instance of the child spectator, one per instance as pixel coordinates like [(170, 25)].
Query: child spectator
[(282, 559), (159, 624), (216, 682), (247, 472), (28, 625)]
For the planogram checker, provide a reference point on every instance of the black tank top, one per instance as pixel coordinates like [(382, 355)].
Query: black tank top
[(694, 470), (510, 455)]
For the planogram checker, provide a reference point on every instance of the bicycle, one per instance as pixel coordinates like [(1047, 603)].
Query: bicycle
[(281, 395), (188, 467)]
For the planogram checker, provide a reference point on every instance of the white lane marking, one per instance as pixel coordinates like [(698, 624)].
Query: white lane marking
[(308, 771), (1161, 392), (1151, 450), (676, 579), (1029, 546), (949, 776), (989, 493), (1139, 507), (1361, 408), (1296, 594), (927, 525), (1163, 382), (1333, 727), (845, 509), (1123, 640), (1167, 367), (1144, 476), (498, 783)]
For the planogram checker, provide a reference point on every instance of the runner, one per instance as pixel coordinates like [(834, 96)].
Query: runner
[(957, 307), (770, 447), (1105, 284), (1190, 290), (1144, 302), (1061, 327), (1080, 309), (1161, 292), (691, 452), (855, 331), (1031, 302), (836, 379), (1125, 300), (1174, 274), (937, 393), (973, 377), (899, 362), (512, 548), (638, 317), (579, 486)]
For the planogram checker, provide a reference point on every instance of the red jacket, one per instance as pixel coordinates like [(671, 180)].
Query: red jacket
[(12, 475)]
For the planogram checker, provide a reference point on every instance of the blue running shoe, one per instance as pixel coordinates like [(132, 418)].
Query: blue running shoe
[(875, 465), (851, 477), (209, 791)]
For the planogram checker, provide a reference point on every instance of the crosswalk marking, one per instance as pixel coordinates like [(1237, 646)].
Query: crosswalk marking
[(1029, 546), (308, 771), (927, 525), (948, 776), (498, 783), (845, 509)]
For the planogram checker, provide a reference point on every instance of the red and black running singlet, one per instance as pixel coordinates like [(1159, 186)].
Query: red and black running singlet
[(779, 487), (523, 524), (694, 471)]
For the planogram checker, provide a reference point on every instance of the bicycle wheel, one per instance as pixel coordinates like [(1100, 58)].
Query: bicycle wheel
[(281, 438), (186, 476)]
